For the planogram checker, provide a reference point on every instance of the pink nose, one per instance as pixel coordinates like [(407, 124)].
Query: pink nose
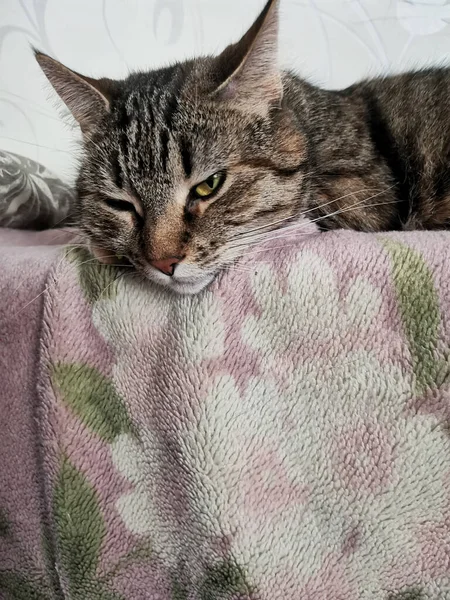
[(166, 265)]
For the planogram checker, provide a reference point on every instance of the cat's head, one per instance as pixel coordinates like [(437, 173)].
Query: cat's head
[(185, 167)]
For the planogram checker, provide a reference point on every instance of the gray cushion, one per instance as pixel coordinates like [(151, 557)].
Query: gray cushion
[(31, 197)]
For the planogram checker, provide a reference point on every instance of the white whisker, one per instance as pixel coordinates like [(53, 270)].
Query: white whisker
[(112, 283), (63, 258), (300, 215), (294, 228), (270, 248)]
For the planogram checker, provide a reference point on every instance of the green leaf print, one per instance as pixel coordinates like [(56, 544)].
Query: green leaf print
[(179, 589), (142, 552), (5, 526), (93, 398), (98, 281), (14, 586), (224, 581), (412, 594), (179, 592), (95, 590), (419, 309), (80, 527)]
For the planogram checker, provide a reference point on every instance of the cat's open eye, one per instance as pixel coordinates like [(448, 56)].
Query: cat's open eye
[(209, 187), (121, 205)]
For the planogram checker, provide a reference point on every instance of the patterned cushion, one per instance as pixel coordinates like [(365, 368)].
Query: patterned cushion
[(31, 197)]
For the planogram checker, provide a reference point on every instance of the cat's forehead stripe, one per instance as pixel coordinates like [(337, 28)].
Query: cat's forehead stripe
[(118, 171), (147, 121), (186, 156)]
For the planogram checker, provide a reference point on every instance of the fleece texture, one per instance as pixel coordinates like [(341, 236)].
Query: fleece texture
[(284, 434)]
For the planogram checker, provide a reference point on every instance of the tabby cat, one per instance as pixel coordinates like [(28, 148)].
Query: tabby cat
[(186, 167)]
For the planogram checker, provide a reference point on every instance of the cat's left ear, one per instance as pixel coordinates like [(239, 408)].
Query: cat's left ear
[(87, 99), (248, 70)]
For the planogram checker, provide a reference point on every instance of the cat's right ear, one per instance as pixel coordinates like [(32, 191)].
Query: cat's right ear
[(87, 99)]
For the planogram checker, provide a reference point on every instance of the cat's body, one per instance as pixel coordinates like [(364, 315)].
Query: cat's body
[(390, 135), (187, 167)]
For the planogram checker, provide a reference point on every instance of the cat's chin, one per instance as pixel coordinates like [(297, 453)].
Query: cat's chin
[(188, 288), (189, 280)]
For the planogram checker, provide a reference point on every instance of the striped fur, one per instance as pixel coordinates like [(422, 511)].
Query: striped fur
[(372, 157)]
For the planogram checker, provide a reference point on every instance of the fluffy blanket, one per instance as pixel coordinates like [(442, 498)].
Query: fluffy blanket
[(283, 435)]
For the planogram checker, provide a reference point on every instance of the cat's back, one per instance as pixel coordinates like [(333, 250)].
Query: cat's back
[(410, 103), (385, 130), (408, 116)]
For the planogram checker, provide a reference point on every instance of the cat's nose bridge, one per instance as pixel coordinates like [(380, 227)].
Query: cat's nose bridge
[(164, 247)]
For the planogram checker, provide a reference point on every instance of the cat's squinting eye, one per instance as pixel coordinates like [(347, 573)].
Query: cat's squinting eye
[(121, 205), (209, 187)]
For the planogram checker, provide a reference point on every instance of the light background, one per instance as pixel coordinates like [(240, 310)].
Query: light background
[(331, 42)]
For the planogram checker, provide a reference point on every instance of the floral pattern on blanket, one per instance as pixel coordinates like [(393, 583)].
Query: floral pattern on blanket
[(282, 435)]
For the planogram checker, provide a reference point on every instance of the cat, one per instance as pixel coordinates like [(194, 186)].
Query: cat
[(186, 167)]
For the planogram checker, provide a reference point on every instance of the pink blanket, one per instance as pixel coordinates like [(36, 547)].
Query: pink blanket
[(285, 434)]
